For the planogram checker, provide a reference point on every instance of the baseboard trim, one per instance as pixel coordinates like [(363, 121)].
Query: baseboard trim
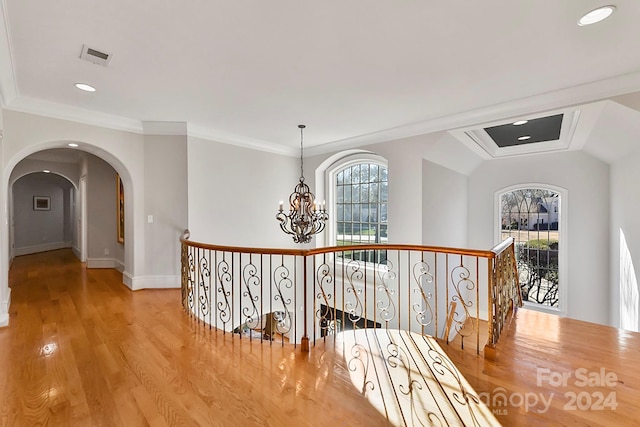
[(26, 250), (4, 319), (4, 309), (150, 282)]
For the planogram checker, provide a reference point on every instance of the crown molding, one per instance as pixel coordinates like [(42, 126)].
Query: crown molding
[(75, 114), (529, 106), (164, 128), (563, 98), (240, 141)]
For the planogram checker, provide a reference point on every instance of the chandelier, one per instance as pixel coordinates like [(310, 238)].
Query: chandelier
[(305, 217)]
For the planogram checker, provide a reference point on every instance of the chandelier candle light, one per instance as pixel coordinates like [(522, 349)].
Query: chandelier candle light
[(305, 217)]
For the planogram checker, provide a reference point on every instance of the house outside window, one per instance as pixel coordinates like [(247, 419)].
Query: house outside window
[(532, 216)]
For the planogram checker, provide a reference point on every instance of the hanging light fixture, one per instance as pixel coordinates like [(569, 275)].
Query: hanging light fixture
[(305, 217)]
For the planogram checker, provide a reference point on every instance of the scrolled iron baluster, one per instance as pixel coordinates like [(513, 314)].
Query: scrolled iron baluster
[(250, 277), (324, 278), (191, 282), (422, 274), (282, 280), (224, 277), (354, 272), (460, 276), (388, 309), (205, 273)]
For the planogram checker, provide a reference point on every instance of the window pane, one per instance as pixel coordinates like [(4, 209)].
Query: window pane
[(361, 201), (348, 229), (373, 173), (340, 212), (364, 173), (347, 212), (355, 193), (355, 174), (347, 176), (364, 212), (373, 213), (373, 192), (364, 193)]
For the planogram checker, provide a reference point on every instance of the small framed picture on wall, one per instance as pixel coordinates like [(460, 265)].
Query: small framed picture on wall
[(41, 203)]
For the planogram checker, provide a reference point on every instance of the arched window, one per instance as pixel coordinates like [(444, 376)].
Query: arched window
[(532, 216), (358, 192)]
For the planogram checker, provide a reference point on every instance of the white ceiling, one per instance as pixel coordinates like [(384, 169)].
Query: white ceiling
[(359, 71)]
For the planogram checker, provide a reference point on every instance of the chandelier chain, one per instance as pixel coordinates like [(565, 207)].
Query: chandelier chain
[(301, 152)]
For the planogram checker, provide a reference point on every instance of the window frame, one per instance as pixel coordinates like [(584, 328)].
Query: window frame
[(331, 173), (563, 215)]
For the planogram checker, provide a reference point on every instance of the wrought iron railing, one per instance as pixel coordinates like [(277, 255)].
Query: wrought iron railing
[(302, 296), (504, 293)]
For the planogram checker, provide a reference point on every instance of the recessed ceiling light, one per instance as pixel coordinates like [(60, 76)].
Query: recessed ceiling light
[(520, 122), (85, 87), (596, 15), (72, 144), (46, 171), (524, 138)]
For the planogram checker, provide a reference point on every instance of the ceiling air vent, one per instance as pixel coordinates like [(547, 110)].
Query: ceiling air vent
[(95, 56)]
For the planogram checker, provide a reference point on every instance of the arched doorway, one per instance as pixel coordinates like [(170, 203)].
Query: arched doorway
[(42, 213), (84, 219), (130, 263)]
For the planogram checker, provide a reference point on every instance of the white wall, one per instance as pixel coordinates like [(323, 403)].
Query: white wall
[(587, 207), (444, 206), (167, 202), (625, 203), (36, 230), (104, 250), (5, 291), (234, 194)]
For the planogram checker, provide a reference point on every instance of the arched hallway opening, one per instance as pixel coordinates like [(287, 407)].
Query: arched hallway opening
[(81, 190)]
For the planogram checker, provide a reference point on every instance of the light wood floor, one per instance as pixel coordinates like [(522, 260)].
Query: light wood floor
[(83, 350), (589, 373)]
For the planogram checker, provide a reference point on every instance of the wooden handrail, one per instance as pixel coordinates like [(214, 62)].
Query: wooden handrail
[(329, 249), (502, 246)]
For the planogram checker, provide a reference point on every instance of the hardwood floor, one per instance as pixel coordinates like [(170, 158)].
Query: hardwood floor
[(571, 373), (83, 350)]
